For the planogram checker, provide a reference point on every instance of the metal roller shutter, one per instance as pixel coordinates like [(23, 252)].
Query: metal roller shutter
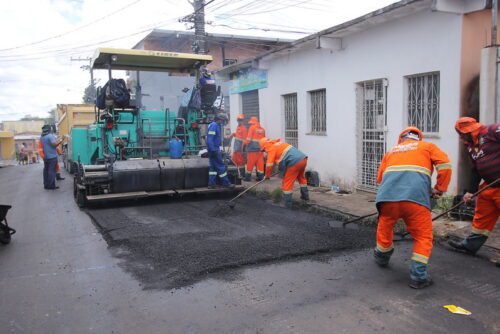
[(250, 104)]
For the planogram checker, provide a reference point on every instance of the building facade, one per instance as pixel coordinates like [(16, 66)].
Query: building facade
[(343, 95), (162, 90)]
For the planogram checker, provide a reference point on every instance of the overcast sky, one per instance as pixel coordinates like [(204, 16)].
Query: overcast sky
[(39, 37)]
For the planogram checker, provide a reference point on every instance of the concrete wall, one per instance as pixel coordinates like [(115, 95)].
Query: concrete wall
[(7, 148), (424, 42), (18, 127)]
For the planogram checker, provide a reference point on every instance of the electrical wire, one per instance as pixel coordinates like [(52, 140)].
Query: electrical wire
[(73, 30)]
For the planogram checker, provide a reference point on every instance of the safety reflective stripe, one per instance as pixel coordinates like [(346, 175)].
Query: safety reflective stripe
[(420, 258), (384, 249), (303, 185), (256, 140), (443, 167), (223, 174), (480, 231), (211, 132), (288, 192), (269, 165), (284, 153), (212, 173), (260, 171), (408, 168)]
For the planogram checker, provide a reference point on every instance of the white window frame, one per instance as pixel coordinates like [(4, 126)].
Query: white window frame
[(316, 127), (423, 104), (287, 132)]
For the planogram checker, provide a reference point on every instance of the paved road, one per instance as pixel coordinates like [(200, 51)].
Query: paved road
[(58, 276)]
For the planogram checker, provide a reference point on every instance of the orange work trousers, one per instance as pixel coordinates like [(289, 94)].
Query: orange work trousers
[(296, 172), (418, 222), (255, 159), (487, 211), (238, 159)]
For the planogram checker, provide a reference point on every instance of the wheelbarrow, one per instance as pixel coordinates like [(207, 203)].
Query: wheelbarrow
[(5, 230)]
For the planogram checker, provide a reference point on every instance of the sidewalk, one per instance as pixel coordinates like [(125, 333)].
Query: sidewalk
[(344, 207)]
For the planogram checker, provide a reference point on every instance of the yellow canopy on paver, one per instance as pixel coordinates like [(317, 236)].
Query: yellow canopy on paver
[(146, 60)]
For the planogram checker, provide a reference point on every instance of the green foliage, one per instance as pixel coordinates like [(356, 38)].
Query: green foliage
[(444, 203), (277, 195)]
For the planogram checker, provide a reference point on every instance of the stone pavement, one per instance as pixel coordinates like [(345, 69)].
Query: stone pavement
[(352, 205)]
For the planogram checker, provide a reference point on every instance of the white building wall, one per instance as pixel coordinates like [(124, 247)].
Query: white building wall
[(423, 42)]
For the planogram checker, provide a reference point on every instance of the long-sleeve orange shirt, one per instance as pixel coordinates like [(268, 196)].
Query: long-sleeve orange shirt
[(406, 170)]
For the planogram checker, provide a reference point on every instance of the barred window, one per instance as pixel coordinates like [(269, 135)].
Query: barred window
[(291, 120), (423, 101), (317, 100)]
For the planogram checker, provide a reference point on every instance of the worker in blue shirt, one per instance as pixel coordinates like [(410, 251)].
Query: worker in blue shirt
[(49, 144), (214, 142)]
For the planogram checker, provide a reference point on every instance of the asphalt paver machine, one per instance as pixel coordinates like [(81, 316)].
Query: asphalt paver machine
[(129, 152)]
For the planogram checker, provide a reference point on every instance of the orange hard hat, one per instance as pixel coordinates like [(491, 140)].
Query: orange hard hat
[(253, 120), (263, 142), (467, 125), (410, 129), (240, 117)]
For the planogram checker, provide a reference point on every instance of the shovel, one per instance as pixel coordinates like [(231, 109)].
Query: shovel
[(231, 203), (340, 224)]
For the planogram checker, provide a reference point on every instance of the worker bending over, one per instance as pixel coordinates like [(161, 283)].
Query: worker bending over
[(240, 135), (255, 156), (214, 142), (483, 144), (291, 163), (405, 193)]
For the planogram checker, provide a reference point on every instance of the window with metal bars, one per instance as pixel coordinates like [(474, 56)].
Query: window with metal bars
[(291, 120), (423, 101), (317, 104)]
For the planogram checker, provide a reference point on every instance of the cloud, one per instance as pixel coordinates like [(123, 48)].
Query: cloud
[(34, 78)]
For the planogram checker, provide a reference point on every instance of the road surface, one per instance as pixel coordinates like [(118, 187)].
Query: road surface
[(60, 276)]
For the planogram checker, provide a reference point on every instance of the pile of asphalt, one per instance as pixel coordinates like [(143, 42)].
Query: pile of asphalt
[(174, 244)]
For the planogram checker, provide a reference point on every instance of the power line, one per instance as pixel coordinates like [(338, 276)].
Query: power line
[(74, 48), (73, 30)]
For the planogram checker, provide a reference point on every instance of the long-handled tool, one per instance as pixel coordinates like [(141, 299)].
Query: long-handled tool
[(436, 217), (462, 201), (231, 203)]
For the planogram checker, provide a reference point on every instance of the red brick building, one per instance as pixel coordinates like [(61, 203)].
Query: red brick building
[(225, 49)]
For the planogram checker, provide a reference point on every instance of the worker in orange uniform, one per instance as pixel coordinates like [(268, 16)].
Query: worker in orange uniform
[(42, 155), (240, 136), (483, 145), (291, 163), (255, 156), (405, 193)]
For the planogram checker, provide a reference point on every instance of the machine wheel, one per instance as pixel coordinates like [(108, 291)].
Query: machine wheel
[(4, 235), (81, 198)]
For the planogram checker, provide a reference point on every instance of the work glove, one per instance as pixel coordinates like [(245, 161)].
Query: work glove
[(436, 193), (467, 197)]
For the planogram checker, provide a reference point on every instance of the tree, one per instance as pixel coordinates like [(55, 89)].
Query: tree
[(89, 93)]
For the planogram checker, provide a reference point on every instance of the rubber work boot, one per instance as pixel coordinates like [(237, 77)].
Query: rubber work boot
[(471, 244), (304, 193), (260, 176), (288, 200), (420, 285), (382, 259), (248, 177), (228, 186), (58, 177), (458, 245)]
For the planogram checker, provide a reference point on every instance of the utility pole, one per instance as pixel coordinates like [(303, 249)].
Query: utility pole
[(88, 68), (197, 18)]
